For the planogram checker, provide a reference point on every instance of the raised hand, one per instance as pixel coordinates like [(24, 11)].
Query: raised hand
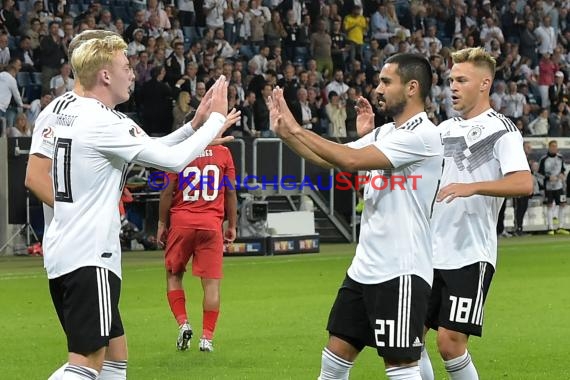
[(232, 118), (288, 122), (364, 117), (274, 113), (203, 111), (220, 96)]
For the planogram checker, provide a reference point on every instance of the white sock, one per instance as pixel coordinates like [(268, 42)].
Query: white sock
[(560, 217), (78, 372), (426, 370), (461, 368), (113, 370), (334, 367), (549, 217), (404, 373), (58, 374)]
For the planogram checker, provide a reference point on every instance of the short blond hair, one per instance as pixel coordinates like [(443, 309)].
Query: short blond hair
[(87, 35), (476, 56), (93, 55)]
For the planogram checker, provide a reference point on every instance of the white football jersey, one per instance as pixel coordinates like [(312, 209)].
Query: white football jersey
[(483, 148), (43, 136), (395, 237)]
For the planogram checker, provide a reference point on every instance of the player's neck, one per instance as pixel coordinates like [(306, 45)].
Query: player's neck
[(101, 95), (477, 110), (407, 114)]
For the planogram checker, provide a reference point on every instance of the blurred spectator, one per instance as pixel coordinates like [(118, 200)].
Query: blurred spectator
[(200, 92), (52, 55), (350, 123), (546, 36), (214, 11), (247, 124), (9, 18), (63, 82), (154, 28), (260, 60), (336, 114), (498, 95), (189, 80), (546, 72), (136, 45), (304, 114), (258, 17), (539, 126), (9, 92), (4, 51), (138, 23), (157, 104), (106, 21), (223, 47), (274, 30), (289, 84), (261, 112), (356, 27), (176, 64), (181, 109), (380, 27), (21, 127), (513, 103), (320, 49), (337, 84), (142, 69), (338, 48), (511, 22), (161, 18), (491, 32), (25, 54), (558, 92), (37, 106), (559, 121), (34, 33)]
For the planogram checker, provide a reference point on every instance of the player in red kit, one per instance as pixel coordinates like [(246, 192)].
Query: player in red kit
[(191, 213)]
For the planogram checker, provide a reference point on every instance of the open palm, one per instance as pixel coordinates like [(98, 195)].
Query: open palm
[(364, 117)]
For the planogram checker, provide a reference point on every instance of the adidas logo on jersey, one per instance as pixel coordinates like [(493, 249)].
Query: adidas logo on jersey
[(417, 343)]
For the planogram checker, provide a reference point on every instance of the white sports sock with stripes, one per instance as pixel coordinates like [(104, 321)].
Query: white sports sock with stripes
[(404, 373), (561, 216), (334, 367), (58, 374), (113, 370), (549, 217), (78, 372), (426, 369), (461, 368)]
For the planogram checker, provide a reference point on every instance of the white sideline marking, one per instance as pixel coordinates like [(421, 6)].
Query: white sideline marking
[(23, 276)]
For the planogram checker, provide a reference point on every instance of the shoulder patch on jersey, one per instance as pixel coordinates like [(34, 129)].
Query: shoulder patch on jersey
[(136, 131), (47, 133)]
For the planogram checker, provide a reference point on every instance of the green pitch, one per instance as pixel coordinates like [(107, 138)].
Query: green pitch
[(274, 310)]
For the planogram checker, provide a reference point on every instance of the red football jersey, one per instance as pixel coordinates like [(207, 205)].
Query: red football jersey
[(198, 198)]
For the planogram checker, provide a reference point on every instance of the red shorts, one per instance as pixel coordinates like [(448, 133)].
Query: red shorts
[(204, 246)]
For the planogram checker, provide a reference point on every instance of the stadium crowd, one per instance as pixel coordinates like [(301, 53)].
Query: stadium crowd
[(323, 53)]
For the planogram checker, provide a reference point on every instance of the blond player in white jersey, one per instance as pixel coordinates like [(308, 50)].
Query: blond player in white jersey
[(38, 174), (383, 299), (484, 162), (93, 144)]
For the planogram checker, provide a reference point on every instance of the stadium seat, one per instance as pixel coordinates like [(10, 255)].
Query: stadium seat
[(32, 92), (23, 78), (120, 11)]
